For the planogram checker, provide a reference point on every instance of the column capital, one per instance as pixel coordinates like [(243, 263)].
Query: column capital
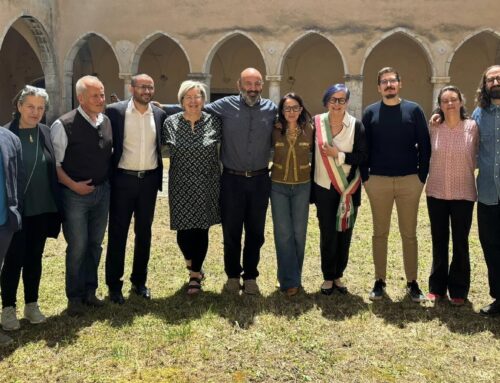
[(125, 76), (440, 80), (274, 77), (354, 77)]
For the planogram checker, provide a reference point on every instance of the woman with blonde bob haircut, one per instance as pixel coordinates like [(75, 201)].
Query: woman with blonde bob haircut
[(192, 137)]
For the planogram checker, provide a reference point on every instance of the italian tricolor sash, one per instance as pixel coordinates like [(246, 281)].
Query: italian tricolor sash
[(345, 212)]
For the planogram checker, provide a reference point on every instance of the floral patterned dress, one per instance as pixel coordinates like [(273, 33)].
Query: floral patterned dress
[(194, 174)]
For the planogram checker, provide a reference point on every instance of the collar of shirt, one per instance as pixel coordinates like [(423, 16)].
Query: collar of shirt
[(100, 117), (493, 107), (131, 108)]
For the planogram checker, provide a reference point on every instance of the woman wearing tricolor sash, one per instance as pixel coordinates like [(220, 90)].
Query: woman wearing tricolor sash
[(340, 148)]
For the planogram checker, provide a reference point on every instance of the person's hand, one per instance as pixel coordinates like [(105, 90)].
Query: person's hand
[(83, 187), (435, 120), (329, 150)]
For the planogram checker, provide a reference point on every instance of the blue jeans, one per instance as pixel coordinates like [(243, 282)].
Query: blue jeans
[(290, 208), (84, 225)]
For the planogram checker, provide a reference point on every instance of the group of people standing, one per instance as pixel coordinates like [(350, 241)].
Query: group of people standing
[(98, 160)]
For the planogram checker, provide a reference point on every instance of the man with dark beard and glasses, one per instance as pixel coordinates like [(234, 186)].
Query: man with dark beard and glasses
[(487, 116), (399, 154), (137, 177), (247, 124)]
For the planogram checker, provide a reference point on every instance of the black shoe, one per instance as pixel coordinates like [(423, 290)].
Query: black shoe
[(142, 291), (75, 308), (492, 309), (327, 291), (341, 289), (378, 290), (93, 301), (414, 292), (116, 297)]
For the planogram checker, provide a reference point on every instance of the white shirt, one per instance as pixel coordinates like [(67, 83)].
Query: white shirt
[(139, 140)]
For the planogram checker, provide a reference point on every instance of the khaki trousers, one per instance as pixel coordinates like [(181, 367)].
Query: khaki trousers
[(383, 192)]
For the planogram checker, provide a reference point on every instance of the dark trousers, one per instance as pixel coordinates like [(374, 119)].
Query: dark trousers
[(334, 245), (194, 245), (24, 255), (137, 196), (244, 202), (456, 278), (488, 222)]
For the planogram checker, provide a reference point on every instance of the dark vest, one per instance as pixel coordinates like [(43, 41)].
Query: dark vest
[(88, 154)]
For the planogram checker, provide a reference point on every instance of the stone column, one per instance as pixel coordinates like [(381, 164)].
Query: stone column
[(126, 77), (438, 83), (355, 84), (66, 104), (274, 88), (204, 78)]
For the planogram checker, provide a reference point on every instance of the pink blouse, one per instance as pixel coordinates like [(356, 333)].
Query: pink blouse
[(453, 161)]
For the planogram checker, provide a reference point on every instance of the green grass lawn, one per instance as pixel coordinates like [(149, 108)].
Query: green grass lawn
[(269, 338)]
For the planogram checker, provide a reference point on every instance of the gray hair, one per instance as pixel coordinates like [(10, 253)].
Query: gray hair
[(187, 85), (29, 90), (83, 82)]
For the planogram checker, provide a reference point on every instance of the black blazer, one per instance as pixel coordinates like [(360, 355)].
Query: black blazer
[(116, 113), (48, 151)]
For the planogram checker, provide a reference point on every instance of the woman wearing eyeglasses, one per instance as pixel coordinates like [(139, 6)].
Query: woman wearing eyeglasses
[(40, 210), (290, 190), (340, 148), (192, 137), (451, 192)]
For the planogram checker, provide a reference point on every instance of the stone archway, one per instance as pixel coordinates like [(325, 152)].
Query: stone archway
[(409, 56), (309, 66), (34, 60), (93, 55), (469, 60)]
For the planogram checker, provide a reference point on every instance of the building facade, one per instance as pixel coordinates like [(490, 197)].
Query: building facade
[(298, 46)]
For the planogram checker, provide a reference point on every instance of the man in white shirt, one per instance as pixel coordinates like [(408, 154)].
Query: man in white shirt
[(137, 177)]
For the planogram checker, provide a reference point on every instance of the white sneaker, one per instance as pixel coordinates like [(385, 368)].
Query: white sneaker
[(33, 314), (9, 319)]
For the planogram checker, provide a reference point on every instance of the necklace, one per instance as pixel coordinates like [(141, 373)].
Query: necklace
[(36, 158)]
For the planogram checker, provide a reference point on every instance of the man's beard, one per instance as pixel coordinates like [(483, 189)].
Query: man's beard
[(250, 100), (389, 96), (494, 92)]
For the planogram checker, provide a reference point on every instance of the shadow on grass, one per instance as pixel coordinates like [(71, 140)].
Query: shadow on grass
[(240, 311), (461, 319)]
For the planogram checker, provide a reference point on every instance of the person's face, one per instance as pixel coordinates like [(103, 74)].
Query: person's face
[(291, 110), (143, 90), (450, 102), (193, 101), (492, 80), (389, 85), (32, 110), (337, 103), (92, 99), (250, 87)]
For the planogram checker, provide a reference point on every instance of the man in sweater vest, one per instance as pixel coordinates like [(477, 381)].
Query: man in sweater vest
[(82, 142), (399, 154)]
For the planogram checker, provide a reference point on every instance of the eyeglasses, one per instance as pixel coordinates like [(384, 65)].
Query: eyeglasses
[(192, 98), (101, 137), (295, 108), (389, 81), (335, 100), (491, 80), (145, 87)]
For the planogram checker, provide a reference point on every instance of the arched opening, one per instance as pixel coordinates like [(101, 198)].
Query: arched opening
[(230, 58), (94, 56), (310, 66), (26, 57), (469, 62), (166, 63), (411, 61)]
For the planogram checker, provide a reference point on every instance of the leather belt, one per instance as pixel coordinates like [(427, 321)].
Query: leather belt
[(136, 173), (246, 173)]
